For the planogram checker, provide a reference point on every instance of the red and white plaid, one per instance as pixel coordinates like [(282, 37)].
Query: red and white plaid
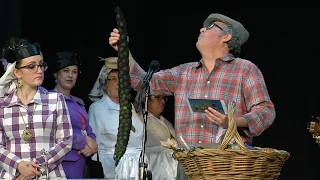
[(232, 79), (50, 126)]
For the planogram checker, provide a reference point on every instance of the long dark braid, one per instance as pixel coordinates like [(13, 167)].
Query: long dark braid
[(125, 122)]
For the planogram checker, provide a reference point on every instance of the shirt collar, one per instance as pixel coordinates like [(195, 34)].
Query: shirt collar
[(71, 98), (152, 116), (74, 99), (226, 58), (41, 98), (111, 105)]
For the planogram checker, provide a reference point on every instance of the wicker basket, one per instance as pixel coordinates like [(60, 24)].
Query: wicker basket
[(228, 164)]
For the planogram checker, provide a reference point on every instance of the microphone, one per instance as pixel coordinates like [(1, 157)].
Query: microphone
[(153, 67)]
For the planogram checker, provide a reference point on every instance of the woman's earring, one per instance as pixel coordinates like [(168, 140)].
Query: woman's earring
[(55, 81), (19, 83)]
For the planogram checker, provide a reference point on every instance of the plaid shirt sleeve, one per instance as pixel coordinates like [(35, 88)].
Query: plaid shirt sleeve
[(8, 161), (163, 82), (261, 109), (63, 136)]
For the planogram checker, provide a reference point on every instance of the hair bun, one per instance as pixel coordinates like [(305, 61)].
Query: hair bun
[(9, 49)]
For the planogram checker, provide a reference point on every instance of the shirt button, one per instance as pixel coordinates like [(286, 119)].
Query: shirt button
[(201, 126)]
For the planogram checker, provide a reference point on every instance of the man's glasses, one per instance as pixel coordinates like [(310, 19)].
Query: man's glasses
[(214, 25), (113, 80), (159, 98), (33, 67)]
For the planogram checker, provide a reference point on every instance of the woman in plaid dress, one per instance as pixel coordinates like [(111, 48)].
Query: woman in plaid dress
[(35, 128)]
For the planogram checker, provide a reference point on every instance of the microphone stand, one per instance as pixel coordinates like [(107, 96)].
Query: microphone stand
[(144, 174)]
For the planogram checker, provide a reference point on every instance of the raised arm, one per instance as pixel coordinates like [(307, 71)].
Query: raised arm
[(162, 82)]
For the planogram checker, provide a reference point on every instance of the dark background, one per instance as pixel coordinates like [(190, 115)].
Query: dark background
[(283, 43)]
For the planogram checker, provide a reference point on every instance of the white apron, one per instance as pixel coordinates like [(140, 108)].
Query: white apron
[(106, 116)]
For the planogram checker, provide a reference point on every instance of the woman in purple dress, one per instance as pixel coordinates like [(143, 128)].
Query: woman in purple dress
[(66, 71)]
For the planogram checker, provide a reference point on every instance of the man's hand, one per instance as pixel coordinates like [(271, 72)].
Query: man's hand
[(114, 38), (216, 117), (28, 169)]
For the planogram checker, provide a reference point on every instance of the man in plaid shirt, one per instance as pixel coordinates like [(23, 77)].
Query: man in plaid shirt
[(35, 128), (220, 74)]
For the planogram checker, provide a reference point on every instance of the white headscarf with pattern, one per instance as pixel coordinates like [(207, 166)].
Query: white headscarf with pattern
[(98, 89)]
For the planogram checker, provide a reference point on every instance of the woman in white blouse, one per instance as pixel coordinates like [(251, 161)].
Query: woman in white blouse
[(104, 120), (161, 162)]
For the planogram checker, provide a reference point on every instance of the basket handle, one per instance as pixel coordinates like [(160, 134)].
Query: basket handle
[(232, 132)]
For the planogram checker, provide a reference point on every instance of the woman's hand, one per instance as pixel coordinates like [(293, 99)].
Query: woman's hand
[(28, 169), (92, 144), (20, 177), (87, 151)]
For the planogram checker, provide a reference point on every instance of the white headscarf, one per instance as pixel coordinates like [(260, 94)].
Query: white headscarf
[(8, 80), (98, 89)]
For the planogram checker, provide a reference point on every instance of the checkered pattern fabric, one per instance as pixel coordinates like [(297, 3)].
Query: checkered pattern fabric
[(50, 127)]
